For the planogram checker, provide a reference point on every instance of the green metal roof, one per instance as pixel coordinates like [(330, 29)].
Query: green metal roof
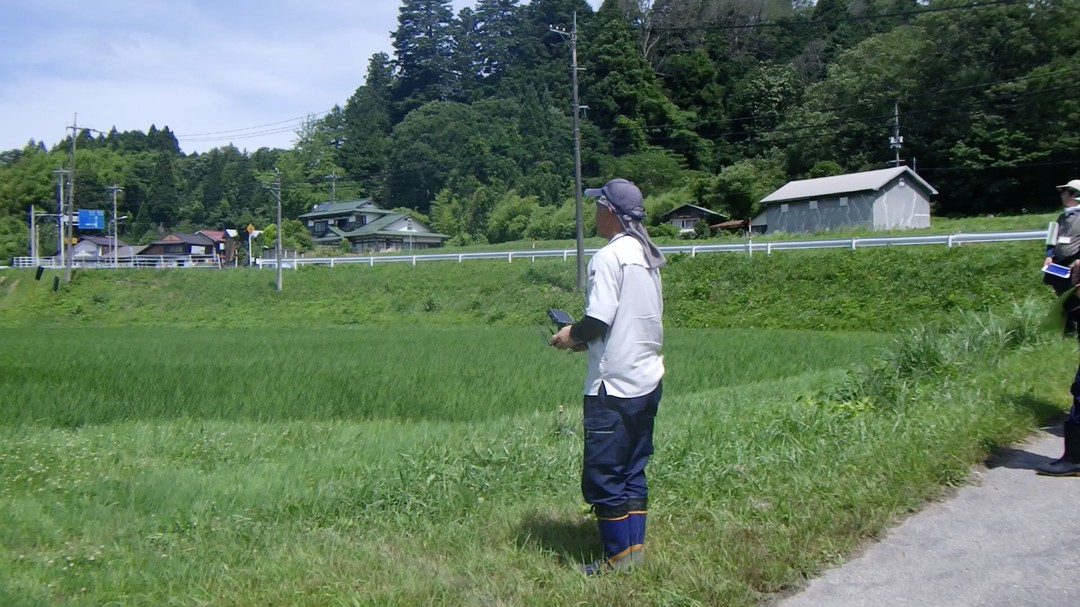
[(330, 209), (375, 228)]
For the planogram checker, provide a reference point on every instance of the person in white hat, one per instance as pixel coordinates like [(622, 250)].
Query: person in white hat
[(1066, 252), (623, 331)]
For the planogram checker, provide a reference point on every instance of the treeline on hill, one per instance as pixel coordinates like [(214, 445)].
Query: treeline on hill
[(714, 102)]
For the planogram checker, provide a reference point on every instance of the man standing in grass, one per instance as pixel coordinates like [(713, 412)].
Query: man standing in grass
[(1066, 251), (623, 331)]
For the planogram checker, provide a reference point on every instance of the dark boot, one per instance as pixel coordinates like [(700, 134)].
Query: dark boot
[(615, 538), (1069, 463)]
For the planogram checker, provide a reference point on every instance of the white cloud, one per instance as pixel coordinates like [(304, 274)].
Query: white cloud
[(196, 66)]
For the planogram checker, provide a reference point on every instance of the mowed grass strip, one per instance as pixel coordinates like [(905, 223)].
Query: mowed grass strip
[(753, 487)]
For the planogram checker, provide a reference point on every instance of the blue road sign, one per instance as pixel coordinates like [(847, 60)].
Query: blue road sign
[(91, 220)]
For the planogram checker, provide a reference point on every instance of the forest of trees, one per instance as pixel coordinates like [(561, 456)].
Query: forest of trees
[(714, 102)]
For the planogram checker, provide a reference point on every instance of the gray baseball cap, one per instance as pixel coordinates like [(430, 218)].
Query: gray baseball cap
[(621, 196)]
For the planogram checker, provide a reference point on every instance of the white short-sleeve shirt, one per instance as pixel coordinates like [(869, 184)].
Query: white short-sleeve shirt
[(626, 294)]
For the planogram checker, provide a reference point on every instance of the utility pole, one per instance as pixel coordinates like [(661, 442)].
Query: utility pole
[(333, 186), (113, 189), (275, 189), (60, 211), (71, 198), (572, 37), (33, 235), (896, 141)]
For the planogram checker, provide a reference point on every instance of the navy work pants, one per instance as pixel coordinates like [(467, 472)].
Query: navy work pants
[(618, 443), (1074, 389), (1074, 413)]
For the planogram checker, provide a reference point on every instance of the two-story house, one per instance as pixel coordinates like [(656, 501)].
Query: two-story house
[(367, 227)]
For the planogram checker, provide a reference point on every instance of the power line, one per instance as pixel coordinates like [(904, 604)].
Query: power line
[(298, 120)]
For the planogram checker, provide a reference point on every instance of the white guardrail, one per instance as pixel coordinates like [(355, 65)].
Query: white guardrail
[(749, 247)]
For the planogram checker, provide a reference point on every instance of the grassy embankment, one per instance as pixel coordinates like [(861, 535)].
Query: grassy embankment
[(422, 460), (881, 289), (940, 225)]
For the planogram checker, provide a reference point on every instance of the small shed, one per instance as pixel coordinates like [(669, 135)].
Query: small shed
[(882, 200)]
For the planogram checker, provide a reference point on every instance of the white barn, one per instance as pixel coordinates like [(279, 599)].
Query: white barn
[(883, 199)]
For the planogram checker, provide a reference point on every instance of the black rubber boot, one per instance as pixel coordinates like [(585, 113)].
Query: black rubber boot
[(1069, 463)]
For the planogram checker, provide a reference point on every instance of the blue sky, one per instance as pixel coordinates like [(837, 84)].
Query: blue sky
[(215, 72)]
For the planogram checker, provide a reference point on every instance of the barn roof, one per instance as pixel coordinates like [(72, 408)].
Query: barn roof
[(842, 184)]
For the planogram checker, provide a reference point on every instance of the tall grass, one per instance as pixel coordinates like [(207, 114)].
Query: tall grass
[(70, 377), (753, 488), (936, 354)]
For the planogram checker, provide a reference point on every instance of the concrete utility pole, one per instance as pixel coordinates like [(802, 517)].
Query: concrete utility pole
[(333, 186), (896, 141), (71, 198), (60, 211), (33, 235), (275, 188), (113, 189), (572, 37)]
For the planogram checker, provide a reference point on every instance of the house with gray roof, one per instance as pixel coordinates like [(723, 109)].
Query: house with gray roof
[(367, 227), (96, 246), (885, 199), (686, 216), (181, 244)]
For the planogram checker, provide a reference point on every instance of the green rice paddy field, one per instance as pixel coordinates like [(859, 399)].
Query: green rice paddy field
[(191, 462)]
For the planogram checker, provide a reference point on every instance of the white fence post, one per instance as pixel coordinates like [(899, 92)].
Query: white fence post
[(693, 250), (414, 260), (852, 244), (750, 247), (564, 252), (510, 257), (331, 262), (460, 258), (371, 261), (949, 243), (768, 248)]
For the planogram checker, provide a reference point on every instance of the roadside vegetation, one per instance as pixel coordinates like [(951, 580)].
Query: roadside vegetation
[(185, 436)]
